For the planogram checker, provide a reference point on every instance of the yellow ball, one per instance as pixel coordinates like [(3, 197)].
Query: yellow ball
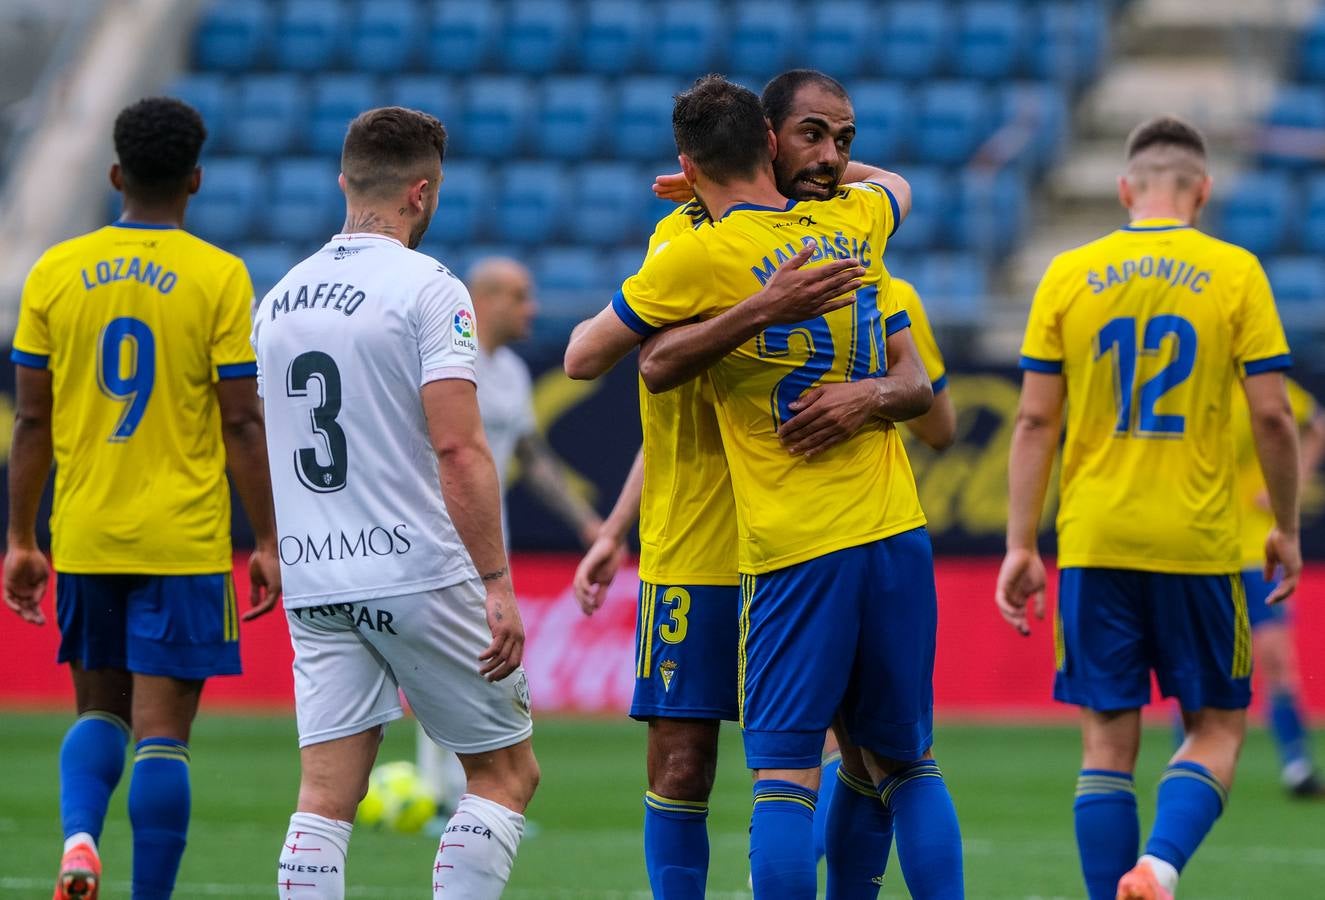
[(397, 799)]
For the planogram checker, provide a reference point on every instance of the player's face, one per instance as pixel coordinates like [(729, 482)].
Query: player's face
[(517, 306), (814, 144)]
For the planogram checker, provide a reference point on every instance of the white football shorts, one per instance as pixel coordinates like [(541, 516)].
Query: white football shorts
[(353, 660)]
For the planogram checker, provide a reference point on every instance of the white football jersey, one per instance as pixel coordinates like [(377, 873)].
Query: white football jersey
[(344, 342), (506, 402)]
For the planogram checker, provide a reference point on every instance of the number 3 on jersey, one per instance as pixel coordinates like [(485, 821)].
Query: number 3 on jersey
[(324, 478)]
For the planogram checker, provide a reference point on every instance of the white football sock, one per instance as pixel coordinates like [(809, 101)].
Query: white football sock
[(477, 850), (81, 838), (312, 865), (1164, 872)]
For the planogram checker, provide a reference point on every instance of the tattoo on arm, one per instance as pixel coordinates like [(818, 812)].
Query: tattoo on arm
[(493, 576)]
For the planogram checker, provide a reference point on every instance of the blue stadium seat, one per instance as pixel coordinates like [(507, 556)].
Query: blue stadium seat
[(841, 34), (225, 209), (1039, 113), (268, 264), (1259, 212), (612, 37), (462, 36), (1311, 56), (232, 36), (884, 121), (336, 100), (1298, 283), (213, 97), (1068, 41), (953, 119), (610, 199), (620, 264), (914, 40), (643, 127), (571, 284), (385, 35), (495, 118), (1296, 113), (990, 38), (954, 288), (572, 113), (990, 212), (270, 114), (686, 39), (765, 34), (310, 35), (931, 208), (432, 94), (538, 36), (532, 203), (305, 204), (1312, 227), (464, 204)]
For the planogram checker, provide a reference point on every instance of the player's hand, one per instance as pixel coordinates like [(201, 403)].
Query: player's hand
[(595, 572), (1284, 553), (26, 575), (1021, 580), (794, 294), (673, 187), (827, 415), (264, 578), (504, 654)]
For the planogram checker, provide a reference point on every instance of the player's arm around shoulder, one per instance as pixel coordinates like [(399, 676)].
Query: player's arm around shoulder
[(896, 188)]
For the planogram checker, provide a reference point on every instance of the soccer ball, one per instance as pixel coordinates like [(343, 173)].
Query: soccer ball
[(397, 799)]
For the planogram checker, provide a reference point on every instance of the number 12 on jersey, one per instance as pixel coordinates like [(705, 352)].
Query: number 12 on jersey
[(1118, 340)]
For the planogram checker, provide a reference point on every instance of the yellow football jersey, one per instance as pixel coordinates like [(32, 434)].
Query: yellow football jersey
[(136, 323), (790, 509), (1256, 518), (1151, 326), (907, 298), (687, 513)]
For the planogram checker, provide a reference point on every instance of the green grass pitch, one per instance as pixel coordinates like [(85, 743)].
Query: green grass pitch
[(1013, 787)]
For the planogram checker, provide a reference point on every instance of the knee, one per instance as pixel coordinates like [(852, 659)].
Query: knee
[(684, 773)]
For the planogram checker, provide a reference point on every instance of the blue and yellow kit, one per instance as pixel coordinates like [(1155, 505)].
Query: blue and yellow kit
[(907, 299)]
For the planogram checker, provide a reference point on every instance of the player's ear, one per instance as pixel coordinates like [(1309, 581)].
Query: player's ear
[(1125, 195), (688, 168), (116, 177), (340, 180), (772, 144), (1203, 192), (195, 180)]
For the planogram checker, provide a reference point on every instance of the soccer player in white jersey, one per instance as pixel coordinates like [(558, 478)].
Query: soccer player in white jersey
[(395, 579)]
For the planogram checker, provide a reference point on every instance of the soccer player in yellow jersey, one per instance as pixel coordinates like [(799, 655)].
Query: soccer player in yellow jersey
[(830, 547), (1143, 334), (1272, 639), (135, 372)]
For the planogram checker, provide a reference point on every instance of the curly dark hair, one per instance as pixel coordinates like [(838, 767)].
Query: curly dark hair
[(389, 147), (781, 92), (1165, 131), (720, 126), (157, 141)]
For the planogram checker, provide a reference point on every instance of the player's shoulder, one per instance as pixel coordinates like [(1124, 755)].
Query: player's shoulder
[(425, 272), (512, 364), (206, 252), (689, 216), (907, 294), (1228, 253), (70, 249)]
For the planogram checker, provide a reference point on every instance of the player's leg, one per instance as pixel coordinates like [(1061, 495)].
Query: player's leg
[(345, 693), (441, 773), (432, 642), (888, 711), (90, 611), (685, 682), (1102, 667), (798, 634), (858, 827), (1201, 635), (829, 764)]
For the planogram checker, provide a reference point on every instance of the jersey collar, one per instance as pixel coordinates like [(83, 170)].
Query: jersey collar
[(148, 226), (756, 207), (1156, 225), (364, 236)]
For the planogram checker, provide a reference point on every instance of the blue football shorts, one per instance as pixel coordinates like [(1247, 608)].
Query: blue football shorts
[(852, 631), (686, 640), (181, 626), (1257, 589), (1116, 626)]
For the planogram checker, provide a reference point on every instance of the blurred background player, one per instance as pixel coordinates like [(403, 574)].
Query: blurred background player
[(395, 570), (1147, 525), (504, 306), (136, 375), (1271, 629)]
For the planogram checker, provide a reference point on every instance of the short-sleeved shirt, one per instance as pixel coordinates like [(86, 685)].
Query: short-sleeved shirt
[(345, 342), (1256, 518), (136, 324), (506, 402), (1150, 327), (907, 298), (790, 509)]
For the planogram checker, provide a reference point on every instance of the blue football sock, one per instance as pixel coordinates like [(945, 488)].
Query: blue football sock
[(827, 788), (1290, 735), (929, 841), (1108, 831), (1190, 799), (159, 803), (676, 847), (91, 764), (782, 861), (860, 834)]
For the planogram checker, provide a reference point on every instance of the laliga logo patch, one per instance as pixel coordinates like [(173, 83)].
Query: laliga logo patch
[(464, 330)]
